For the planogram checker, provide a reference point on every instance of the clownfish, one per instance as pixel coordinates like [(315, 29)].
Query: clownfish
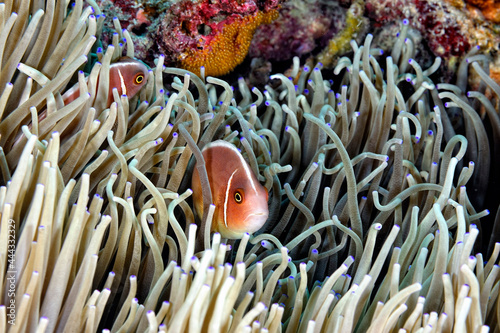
[(127, 75), (240, 200)]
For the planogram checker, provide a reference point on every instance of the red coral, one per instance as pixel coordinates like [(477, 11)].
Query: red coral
[(444, 27), (442, 30)]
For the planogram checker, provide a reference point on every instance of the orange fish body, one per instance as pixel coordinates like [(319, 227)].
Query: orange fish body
[(240, 200), (127, 75)]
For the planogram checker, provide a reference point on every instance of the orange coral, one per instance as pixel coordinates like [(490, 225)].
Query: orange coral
[(490, 9), (227, 49)]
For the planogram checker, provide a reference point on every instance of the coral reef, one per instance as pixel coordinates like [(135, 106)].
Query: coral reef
[(301, 27), (377, 201), (340, 43), (191, 34), (489, 8), (225, 47), (448, 28), (215, 35)]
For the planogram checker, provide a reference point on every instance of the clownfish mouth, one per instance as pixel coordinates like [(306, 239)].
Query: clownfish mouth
[(257, 214), (255, 221)]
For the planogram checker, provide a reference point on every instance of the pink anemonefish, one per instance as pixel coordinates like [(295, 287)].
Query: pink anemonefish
[(240, 200), (127, 75)]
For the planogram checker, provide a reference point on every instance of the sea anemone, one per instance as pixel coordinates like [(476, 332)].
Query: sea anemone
[(372, 224)]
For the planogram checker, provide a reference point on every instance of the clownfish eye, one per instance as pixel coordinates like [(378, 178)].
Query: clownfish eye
[(238, 197), (139, 78)]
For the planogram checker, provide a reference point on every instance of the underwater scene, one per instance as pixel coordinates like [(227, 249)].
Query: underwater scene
[(250, 166)]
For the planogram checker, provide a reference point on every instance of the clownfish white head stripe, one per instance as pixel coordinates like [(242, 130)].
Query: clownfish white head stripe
[(240, 200), (226, 199), (127, 75), (122, 82)]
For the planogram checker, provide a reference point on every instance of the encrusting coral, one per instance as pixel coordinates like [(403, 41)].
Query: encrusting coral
[(215, 34), (228, 48), (371, 226)]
